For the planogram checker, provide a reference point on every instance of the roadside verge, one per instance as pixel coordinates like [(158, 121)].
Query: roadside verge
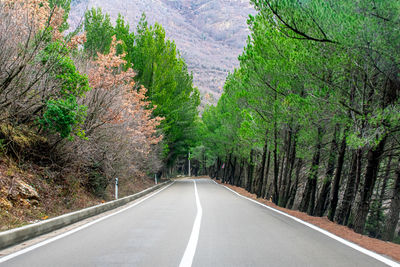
[(18, 235)]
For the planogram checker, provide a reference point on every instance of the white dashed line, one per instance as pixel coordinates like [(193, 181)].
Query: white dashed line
[(187, 258)]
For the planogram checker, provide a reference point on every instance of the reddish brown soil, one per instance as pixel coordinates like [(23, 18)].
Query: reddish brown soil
[(386, 248)]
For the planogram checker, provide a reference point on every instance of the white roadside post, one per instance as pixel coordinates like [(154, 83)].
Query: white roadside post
[(155, 178), (189, 162), (116, 188)]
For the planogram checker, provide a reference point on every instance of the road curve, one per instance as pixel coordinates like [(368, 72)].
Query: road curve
[(230, 231)]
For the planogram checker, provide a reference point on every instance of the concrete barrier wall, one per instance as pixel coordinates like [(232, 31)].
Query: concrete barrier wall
[(18, 235)]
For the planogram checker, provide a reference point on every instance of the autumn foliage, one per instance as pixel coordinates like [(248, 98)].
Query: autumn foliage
[(34, 15), (134, 109), (121, 112), (71, 113)]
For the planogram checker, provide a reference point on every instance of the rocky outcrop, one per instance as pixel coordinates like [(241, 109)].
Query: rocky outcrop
[(18, 192)]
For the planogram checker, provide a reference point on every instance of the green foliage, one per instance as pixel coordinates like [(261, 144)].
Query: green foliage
[(72, 82), (66, 6), (64, 116), (122, 33), (99, 32), (64, 70), (162, 70), (297, 70), (62, 113)]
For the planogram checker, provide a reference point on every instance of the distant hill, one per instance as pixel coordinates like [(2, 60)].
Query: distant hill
[(209, 33)]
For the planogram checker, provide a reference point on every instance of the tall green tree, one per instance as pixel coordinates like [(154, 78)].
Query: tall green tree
[(162, 70), (99, 32)]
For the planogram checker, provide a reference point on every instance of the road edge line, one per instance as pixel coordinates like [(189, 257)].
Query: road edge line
[(190, 250), (43, 243), (325, 232)]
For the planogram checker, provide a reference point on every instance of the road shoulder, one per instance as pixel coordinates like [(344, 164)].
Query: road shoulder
[(388, 250)]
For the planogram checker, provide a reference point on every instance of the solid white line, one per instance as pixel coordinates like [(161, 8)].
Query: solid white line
[(188, 256), (23, 251), (341, 240)]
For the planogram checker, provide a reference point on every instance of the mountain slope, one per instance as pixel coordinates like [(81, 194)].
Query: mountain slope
[(210, 34)]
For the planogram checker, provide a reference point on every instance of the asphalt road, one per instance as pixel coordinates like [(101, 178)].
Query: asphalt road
[(194, 223)]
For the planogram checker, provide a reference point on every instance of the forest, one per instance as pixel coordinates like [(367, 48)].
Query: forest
[(310, 119)]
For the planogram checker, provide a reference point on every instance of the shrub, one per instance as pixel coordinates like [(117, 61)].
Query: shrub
[(64, 116)]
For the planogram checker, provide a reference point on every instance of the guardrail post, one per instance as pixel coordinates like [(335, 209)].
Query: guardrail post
[(189, 163), (116, 188)]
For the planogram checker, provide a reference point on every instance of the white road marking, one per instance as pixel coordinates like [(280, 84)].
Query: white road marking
[(23, 251), (341, 240), (188, 256)]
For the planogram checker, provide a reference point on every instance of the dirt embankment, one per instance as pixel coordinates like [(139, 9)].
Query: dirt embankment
[(29, 194)]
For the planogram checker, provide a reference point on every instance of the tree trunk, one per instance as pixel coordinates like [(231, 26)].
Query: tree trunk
[(282, 163), (285, 171), (394, 209), (220, 170), (385, 180), (285, 190), (216, 169), (349, 194), (237, 178), (232, 175), (373, 160), (250, 171), (326, 187), (230, 169), (262, 180), (358, 180), (293, 190), (308, 200), (254, 173), (204, 162), (226, 168), (265, 181), (292, 160), (336, 180), (245, 172), (242, 175), (378, 214), (275, 195)]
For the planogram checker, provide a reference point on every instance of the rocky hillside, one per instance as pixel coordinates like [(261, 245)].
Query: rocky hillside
[(210, 34), (30, 193)]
